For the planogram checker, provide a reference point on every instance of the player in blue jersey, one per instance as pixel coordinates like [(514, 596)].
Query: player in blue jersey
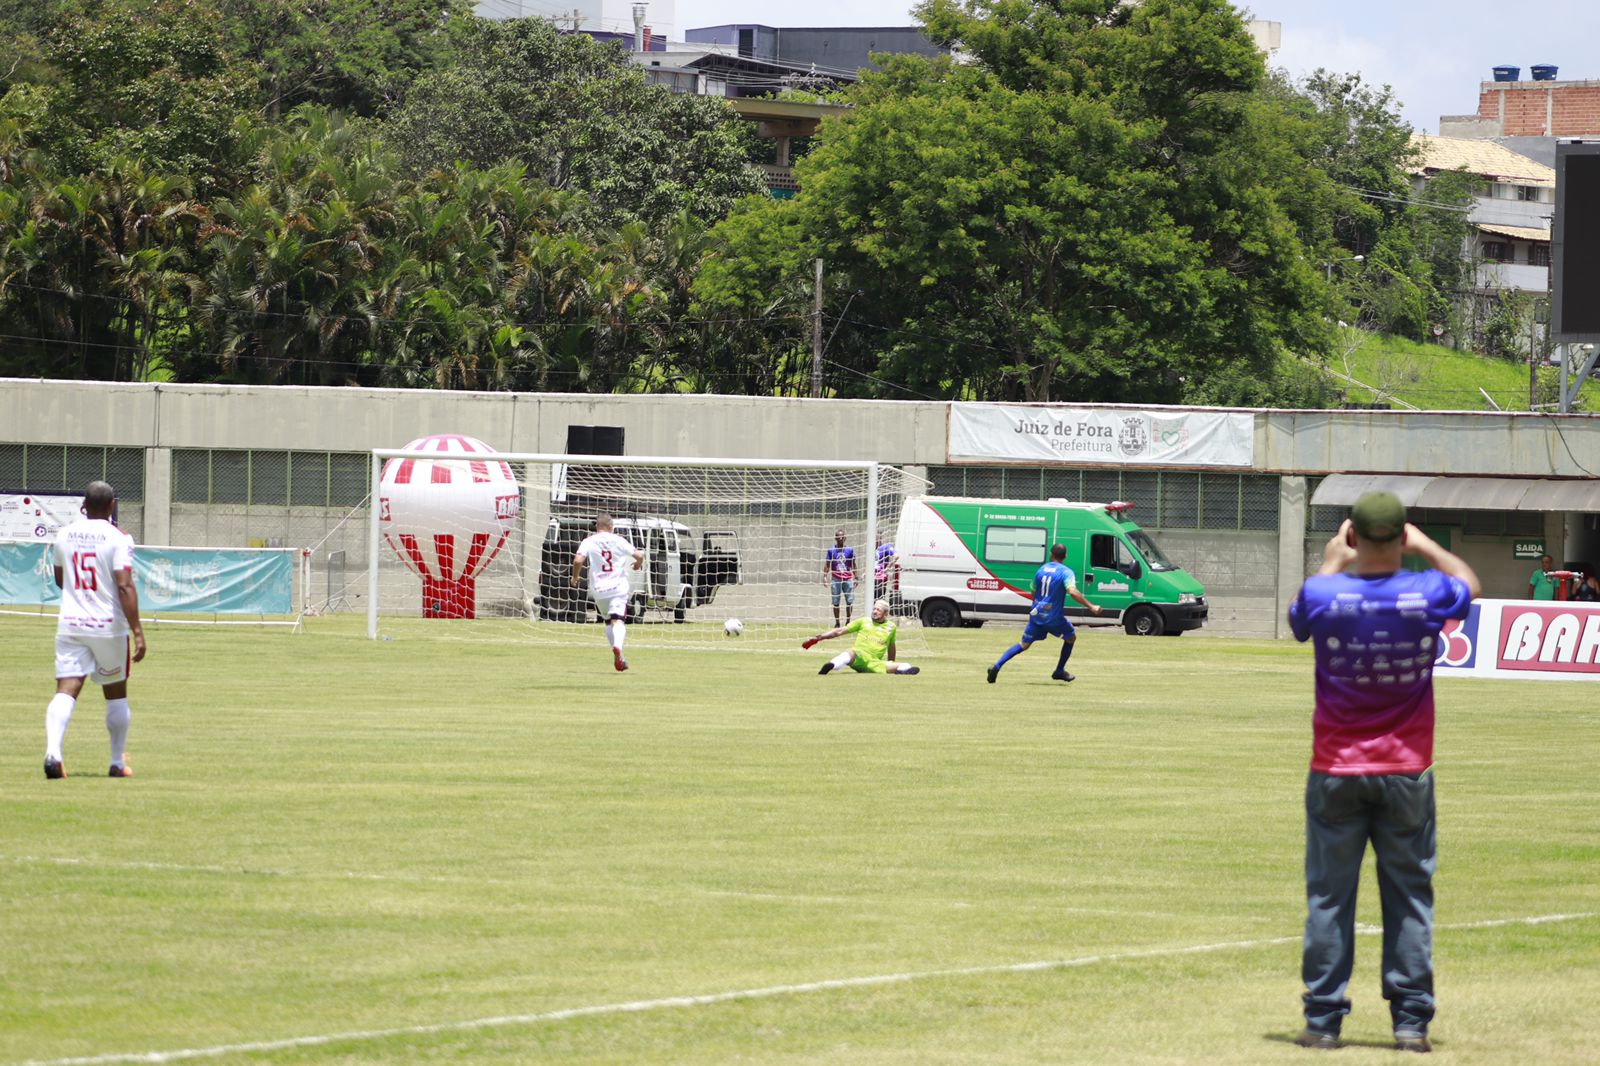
[(1054, 582)]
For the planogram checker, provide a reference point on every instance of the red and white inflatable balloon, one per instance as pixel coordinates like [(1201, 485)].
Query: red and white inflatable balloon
[(447, 518)]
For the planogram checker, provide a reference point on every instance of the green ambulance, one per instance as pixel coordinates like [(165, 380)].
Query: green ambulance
[(967, 561)]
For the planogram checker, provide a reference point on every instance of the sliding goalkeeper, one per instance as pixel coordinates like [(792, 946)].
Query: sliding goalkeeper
[(874, 649)]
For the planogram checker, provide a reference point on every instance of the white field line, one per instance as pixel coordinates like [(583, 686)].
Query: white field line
[(640, 1006)]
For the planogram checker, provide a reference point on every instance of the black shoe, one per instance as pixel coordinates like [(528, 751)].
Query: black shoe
[(1410, 1040), (1062, 675), (1318, 1040), (908, 671), (994, 672), (53, 769), (826, 667), (120, 771)]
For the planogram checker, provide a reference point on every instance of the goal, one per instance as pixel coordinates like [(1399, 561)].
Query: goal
[(476, 542)]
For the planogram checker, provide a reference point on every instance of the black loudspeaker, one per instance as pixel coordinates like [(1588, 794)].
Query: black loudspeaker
[(1575, 242), (594, 440)]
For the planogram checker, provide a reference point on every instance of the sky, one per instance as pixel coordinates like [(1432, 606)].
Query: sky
[(1432, 52)]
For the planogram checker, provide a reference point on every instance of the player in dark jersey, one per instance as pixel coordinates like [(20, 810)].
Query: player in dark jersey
[(1054, 582)]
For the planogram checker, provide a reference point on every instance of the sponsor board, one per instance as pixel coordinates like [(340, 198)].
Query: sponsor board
[(1048, 433), (251, 581), (36, 516), (1537, 639)]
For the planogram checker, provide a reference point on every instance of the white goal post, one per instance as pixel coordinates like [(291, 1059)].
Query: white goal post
[(477, 541)]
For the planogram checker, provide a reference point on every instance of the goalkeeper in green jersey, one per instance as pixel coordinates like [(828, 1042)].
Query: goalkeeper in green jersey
[(874, 649)]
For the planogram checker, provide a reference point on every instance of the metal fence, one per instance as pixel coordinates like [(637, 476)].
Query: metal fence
[(1161, 500)]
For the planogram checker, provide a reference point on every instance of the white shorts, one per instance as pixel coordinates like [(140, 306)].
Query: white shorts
[(612, 604), (103, 660)]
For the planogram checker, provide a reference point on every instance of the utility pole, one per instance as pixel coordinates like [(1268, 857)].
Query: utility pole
[(816, 339), (1533, 359)]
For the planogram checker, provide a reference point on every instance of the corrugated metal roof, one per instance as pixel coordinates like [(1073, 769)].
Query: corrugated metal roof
[(1521, 233), (1484, 158), (1463, 493)]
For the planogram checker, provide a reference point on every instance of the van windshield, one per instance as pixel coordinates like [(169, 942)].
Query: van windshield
[(1153, 556)]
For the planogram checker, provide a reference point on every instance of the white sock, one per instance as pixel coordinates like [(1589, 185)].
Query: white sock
[(843, 659), (117, 718), (619, 634), (56, 717)]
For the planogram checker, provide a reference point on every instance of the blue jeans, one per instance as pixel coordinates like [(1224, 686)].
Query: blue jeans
[(843, 586), (1396, 813)]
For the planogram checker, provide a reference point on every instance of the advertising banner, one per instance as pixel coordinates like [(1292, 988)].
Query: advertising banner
[(30, 516), (253, 581), (1543, 640), (1056, 434)]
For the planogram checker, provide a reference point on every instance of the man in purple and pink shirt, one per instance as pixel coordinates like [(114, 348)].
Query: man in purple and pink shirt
[(839, 570), (1375, 628)]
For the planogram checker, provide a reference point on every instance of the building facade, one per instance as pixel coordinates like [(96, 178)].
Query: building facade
[(222, 466)]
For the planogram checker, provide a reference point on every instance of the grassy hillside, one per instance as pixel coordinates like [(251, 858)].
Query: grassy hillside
[(1432, 377)]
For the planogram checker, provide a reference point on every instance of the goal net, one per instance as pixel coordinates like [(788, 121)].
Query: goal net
[(476, 542)]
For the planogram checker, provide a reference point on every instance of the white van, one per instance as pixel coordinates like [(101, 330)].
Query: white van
[(677, 573)]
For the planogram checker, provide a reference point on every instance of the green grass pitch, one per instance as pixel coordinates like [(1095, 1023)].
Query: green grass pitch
[(429, 851)]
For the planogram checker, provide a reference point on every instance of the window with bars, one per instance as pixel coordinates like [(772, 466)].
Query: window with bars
[(1161, 500), (70, 467), (270, 478)]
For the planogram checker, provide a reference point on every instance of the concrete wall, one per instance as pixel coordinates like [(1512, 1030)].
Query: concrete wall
[(1250, 575)]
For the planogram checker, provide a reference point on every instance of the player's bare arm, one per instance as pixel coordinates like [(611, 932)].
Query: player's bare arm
[(638, 559), (578, 563), (1072, 590), (1340, 551), (820, 637), (128, 596), (1441, 558)]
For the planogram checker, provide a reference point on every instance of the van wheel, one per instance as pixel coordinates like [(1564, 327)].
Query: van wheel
[(683, 606), (635, 613), (1143, 622), (940, 614)]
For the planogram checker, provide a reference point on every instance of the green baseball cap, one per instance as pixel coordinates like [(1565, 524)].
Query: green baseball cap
[(1379, 516)]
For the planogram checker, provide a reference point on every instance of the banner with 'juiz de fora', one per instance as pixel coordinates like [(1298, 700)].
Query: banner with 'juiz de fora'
[(1100, 435)]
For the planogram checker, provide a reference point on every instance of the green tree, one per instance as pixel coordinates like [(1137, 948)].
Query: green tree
[(580, 116), (1089, 208), (144, 79), (356, 56)]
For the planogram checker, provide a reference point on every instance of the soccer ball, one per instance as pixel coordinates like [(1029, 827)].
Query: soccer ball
[(732, 627)]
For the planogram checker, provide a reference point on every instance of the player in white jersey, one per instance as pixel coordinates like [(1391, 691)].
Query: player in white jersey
[(606, 554), (98, 632)]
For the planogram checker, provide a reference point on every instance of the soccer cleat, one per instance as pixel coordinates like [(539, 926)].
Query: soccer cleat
[(1062, 675), (618, 661), (827, 667), (120, 771), (994, 672), (1410, 1040), (53, 768), (1317, 1040), (908, 671)]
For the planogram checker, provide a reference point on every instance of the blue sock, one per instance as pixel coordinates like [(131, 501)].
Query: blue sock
[(1011, 653), (1066, 653)]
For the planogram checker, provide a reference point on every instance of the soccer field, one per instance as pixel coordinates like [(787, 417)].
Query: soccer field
[(426, 850)]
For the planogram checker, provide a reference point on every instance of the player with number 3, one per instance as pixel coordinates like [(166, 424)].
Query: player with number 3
[(607, 555)]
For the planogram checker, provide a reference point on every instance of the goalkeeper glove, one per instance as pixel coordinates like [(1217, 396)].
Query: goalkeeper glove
[(810, 643)]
